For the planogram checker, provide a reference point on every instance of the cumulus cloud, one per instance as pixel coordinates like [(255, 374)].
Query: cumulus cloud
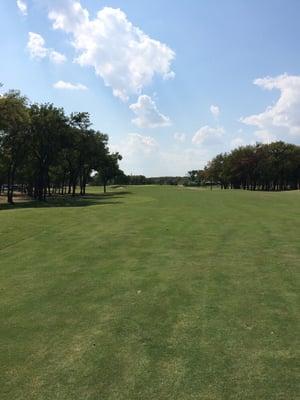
[(283, 117), (179, 137), (215, 110), (22, 6), (178, 161), (147, 114), (56, 57), (265, 136), (62, 85), (121, 54), (138, 145), (237, 142), (208, 135), (37, 49), (36, 46), (143, 155)]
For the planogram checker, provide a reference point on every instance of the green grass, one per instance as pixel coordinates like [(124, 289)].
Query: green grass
[(154, 293)]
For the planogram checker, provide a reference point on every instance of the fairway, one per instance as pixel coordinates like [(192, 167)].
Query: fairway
[(151, 292)]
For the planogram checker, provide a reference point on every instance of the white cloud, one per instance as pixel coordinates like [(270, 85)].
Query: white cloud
[(208, 135), (22, 6), (178, 161), (56, 57), (147, 114), (69, 86), (143, 155), (179, 137), (215, 110), (135, 148), (140, 143), (265, 136), (36, 46), (237, 142), (283, 117), (38, 50), (120, 53)]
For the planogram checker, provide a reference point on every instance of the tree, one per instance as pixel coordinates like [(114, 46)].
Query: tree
[(109, 168), (48, 133), (14, 130), (274, 166), (46, 152)]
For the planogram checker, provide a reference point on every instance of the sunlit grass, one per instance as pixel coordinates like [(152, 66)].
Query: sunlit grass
[(151, 293)]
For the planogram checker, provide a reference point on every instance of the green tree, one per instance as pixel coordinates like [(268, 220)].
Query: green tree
[(14, 131), (48, 136), (109, 168)]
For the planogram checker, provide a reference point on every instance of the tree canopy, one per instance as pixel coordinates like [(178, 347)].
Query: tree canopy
[(44, 151), (274, 166)]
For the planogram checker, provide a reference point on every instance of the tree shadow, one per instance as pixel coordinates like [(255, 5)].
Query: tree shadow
[(90, 199), (106, 195)]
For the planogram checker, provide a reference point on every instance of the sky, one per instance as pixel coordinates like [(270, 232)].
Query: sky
[(172, 83)]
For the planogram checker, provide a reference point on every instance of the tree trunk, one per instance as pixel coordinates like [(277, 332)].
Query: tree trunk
[(10, 186)]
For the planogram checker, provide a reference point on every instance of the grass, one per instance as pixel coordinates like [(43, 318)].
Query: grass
[(151, 293)]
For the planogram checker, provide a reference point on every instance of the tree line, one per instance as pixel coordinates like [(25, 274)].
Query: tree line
[(43, 151), (270, 167), (123, 179)]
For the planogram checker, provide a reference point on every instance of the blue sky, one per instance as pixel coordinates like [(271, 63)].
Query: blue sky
[(173, 83)]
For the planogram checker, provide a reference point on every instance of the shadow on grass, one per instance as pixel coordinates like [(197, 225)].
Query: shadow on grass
[(90, 199)]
